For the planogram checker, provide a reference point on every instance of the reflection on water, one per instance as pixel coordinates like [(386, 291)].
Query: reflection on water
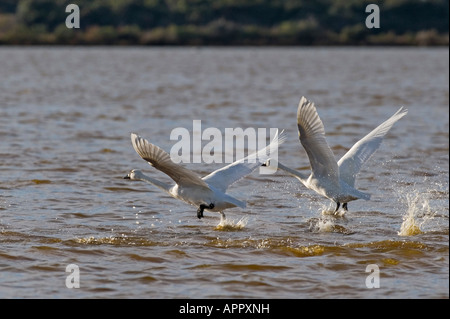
[(66, 115)]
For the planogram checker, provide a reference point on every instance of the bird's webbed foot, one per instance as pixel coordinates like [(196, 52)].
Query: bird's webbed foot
[(338, 204), (202, 208), (336, 211), (200, 211)]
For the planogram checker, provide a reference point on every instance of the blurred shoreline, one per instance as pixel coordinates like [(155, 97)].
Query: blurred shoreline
[(225, 23)]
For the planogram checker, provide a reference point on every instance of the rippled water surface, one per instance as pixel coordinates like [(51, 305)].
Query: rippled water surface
[(66, 115)]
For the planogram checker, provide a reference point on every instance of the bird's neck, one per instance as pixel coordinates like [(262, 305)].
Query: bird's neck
[(301, 177), (165, 187)]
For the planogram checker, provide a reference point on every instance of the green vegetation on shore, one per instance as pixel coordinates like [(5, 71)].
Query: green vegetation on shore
[(225, 22)]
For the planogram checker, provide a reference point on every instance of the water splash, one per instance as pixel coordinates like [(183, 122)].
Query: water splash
[(418, 214), (321, 225), (231, 225), (327, 225), (333, 212), (328, 220)]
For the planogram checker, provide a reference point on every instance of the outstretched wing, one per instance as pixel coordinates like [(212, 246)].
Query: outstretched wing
[(160, 160), (312, 136), (351, 163), (225, 176)]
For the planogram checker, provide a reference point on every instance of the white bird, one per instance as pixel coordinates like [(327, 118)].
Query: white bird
[(331, 179), (207, 193)]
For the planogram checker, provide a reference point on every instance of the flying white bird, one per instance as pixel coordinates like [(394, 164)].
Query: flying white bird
[(331, 179), (207, 193)]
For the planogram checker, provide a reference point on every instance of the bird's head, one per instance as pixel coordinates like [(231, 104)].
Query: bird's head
[(134, 175), (266, 163), (270, 166)]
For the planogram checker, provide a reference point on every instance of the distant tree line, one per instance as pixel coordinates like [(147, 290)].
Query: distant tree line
[(225, 22)]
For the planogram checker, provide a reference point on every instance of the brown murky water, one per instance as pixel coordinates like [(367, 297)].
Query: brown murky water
[(65, 119)]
